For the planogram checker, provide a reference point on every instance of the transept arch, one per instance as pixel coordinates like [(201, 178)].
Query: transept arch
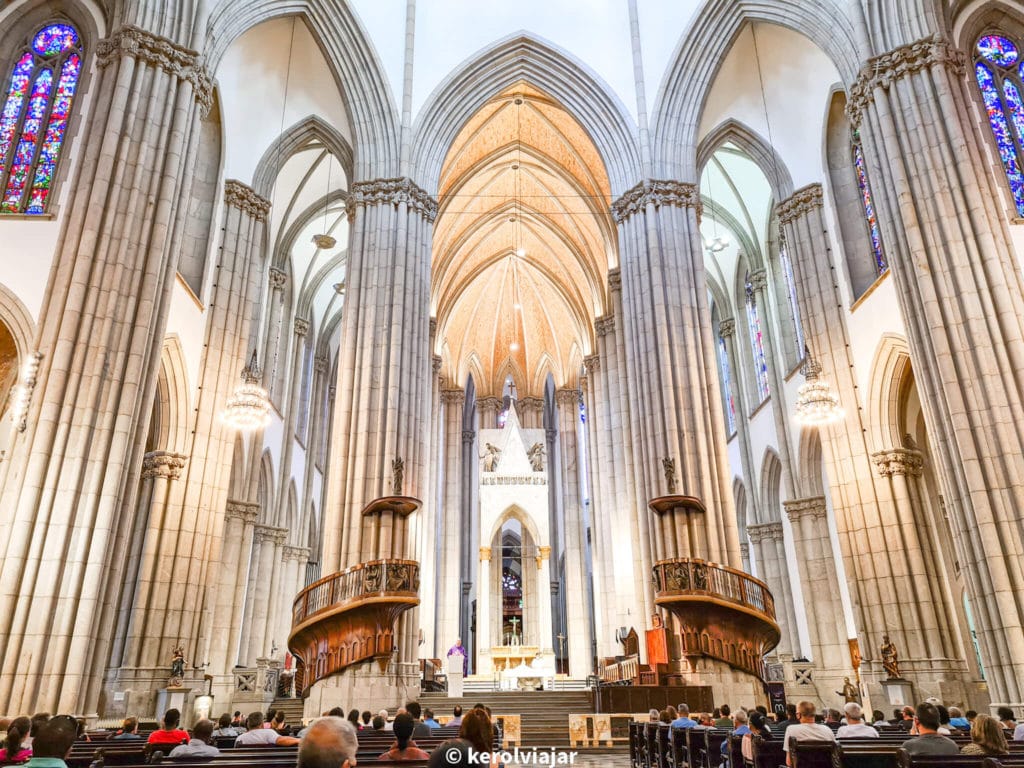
[(889, 375), (757, 148), (810, 463), (771, 487), (171, 405)]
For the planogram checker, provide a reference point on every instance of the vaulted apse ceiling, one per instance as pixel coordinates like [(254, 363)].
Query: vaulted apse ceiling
[(521, 176)]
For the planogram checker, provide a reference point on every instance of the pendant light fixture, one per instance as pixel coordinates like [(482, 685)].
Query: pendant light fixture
[(325, 241)]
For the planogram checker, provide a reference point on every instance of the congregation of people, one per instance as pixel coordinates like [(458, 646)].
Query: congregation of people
[(330, 741), (928, 727)]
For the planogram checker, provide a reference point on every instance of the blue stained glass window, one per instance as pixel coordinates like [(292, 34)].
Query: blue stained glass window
[(757, 343), (34, 121), (794, 307), (1001, 85), (874, 233), (730, 406)]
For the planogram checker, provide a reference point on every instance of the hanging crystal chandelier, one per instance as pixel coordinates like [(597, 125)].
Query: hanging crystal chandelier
[(248, 408), (816, 403)]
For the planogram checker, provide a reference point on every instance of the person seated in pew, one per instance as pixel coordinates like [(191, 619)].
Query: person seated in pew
[(420, 729), (908, 719), (807, 729), (477, 730), (724, 718), (878, 718), (429, 721), (683, 719), (453, 753), (792, 718), (129, 730), (53, 741), (258, 736), (225, 730), (39, 719), (456, 720), (169, 732), (855, 727), (330, 742), (987, 738), (1007, 718), (739, 719), (654, 715), (14, 749), (237, 721), (758, 726), (199, 745), (929, 741), (378, 723), (404, 747), (957, 719), (367, 718)]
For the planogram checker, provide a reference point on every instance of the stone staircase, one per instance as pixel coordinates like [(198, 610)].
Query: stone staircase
[(292, 709), (545, 714)]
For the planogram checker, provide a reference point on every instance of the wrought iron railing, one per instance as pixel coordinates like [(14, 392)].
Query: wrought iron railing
[(685, 576), (375, 578)]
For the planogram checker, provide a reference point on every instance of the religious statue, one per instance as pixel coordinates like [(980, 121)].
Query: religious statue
[(177, 665), (849, 692), (491, 457), (669, 465), (398, 473), (890, 658), (459, 650), (536, 457)]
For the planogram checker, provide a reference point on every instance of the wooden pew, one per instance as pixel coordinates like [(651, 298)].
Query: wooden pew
[(807, 753), (906, 760), (768, 753)]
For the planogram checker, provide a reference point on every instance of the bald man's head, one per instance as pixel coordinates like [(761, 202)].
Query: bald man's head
[(330, 742)]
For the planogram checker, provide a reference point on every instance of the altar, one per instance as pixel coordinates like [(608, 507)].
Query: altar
[(508, 656)]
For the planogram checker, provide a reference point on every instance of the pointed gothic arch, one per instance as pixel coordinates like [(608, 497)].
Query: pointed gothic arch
[(890, 369), (755, 147), (771, 487)]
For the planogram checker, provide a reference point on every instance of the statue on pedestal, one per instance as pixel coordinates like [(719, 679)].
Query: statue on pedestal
[(177, 666), (491, 457), (890, 658), (669, 465), (849, 692), (398, 474)]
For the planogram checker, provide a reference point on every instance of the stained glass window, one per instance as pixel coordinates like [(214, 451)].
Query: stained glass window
[(794, 308), (874, 233), (756, 342), (35, 117), (1001, 81), (730, 405)]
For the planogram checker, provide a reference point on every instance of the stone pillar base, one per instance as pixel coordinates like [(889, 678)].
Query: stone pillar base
[(728, 685), (366, 684)]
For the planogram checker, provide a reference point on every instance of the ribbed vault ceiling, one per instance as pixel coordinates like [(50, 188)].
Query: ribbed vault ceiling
[(521, 177)]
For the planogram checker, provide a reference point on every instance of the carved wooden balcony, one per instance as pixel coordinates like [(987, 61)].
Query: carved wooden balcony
[(724, 613), (349, 617)]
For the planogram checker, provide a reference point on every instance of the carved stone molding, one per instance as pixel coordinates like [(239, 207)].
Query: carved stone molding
[(727, 328), (177, 60), (393, 192), (543, 553), (765, 532), (301, 326), (605, 325), (320, 363), (527, 404), (614, 279), (166, 464), (485, 554), (246, 511), (332, 391), (435, 364), (299, 554), (453, 396), (277, 277), (899, 461), (592, 363), (880, 72), (813, 507), (433, 327), (758, 280), (244, 198), (567, 397), (656, 192), (551, 434), (802, 202), (271, 534), (488, 403), (468, 435)]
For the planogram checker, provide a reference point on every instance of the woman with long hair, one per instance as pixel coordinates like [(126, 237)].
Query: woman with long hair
[(476, 728), (14, 750), (986, 738), (404, 747)]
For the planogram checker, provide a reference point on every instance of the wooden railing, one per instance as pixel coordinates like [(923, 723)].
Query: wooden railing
[(375, 578), (684, 576)]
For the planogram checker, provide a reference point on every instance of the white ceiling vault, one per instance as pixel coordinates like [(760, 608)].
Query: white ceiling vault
[(522, 246)]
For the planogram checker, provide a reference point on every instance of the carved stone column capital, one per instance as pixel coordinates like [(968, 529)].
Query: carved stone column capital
[(246, 511), (435, 364), (301, 326), (567, 398), (800, 203), (244, 198), (320, 363), (880, 72), (614, 279), (765, 532), (485, 554), (433, 327), (758, 280), (899, 461), (530, 404), (393, 192), (543, 553), (271, 534), (813, 507), (468, 435), (174, 59), (605, 325), (489, 403), (166, 464), (592, 363), (277, 277), (551, 434), (299, 554), (453, 397), (727, 328), (656, 192)]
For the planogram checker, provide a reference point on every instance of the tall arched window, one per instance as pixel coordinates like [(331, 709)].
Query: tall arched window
[(794, 308), (869, 206), (756, 342), (726, 371), (35, 116), (1000, 74)]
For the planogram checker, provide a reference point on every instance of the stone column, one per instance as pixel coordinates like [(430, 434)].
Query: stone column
[(483, 614), (576, 587), (943, 213), (276, 343), (817, 566), (239, 521), (488, 409), (293, 561), (453, 403), (861, 499), (544, 598), (531, 412), (430, 522), (770, 551), (267, 542), (727, 330), (114, 266)]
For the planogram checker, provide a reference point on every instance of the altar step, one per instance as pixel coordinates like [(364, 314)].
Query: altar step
[(545, 714), (474, 684)]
